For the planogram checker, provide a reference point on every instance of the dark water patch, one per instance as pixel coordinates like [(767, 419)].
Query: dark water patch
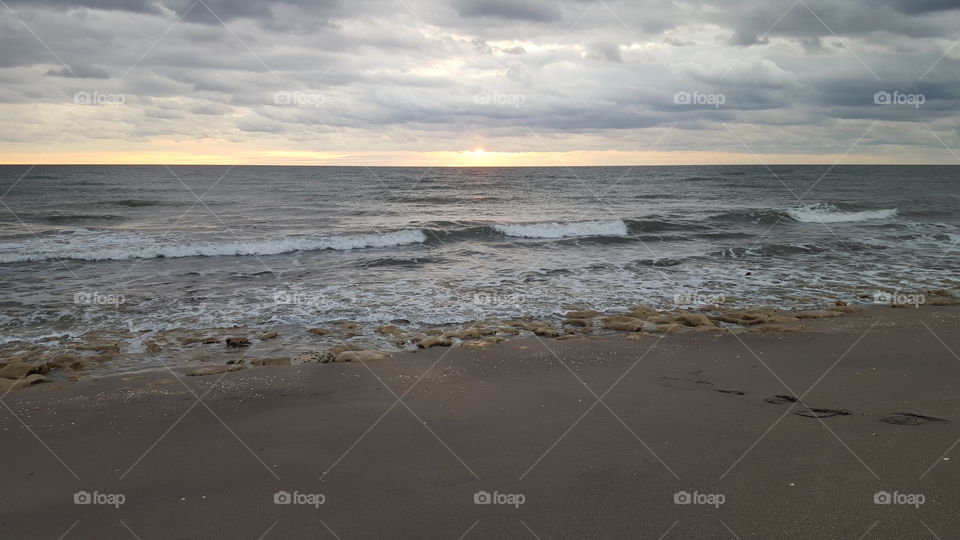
[(74, 218), (753, 215), (579, 240), (136, 203), (653, 225), (397, 261), (770, 250), (661, 262)]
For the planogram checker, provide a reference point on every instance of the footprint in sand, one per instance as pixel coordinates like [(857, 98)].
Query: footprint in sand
[(695, 383), (813, 412), (780, 399), (910, 419), (699, 385), (807, 411)]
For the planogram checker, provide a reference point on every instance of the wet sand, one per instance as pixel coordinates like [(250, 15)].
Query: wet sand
[(692, 412)]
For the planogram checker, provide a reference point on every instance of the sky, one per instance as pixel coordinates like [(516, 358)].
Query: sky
[(479, 82)]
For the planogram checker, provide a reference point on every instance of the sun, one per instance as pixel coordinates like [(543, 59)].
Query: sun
[(478, 152)]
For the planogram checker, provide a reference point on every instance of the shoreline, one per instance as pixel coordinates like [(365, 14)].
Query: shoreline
[(876, 411), (214, 350)]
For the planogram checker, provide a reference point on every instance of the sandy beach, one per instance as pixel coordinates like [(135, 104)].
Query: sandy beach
[(600, 437)]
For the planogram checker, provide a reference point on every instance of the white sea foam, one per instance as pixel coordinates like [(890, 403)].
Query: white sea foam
[(827, 213), (564, 230), (104, 246)]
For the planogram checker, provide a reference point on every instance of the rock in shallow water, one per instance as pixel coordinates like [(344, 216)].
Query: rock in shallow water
[(693, 319), (7, 385), (434, 342), (213, 370), (361, 356), (234, 342)]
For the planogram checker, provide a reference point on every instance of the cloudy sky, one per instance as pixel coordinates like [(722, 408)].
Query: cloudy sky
[(479, 82)]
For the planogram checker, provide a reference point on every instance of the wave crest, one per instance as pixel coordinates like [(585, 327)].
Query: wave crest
[(88, 245), (827, 213), (563, 230)]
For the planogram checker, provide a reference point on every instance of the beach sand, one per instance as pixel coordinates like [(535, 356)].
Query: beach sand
[(695, 412)]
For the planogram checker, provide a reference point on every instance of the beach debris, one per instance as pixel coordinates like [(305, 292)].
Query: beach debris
[(318, 331), (268, 335), (234, 342), (582, 314), (840, 303)]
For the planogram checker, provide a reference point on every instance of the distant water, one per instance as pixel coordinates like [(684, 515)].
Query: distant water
[(257, 246)]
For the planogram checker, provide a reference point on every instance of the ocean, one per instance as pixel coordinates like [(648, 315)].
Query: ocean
[(139, 250)]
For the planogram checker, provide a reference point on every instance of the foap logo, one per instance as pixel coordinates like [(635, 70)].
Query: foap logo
[(509, 499), (98, 98), (897, 298), (296, 299), (306, 499), (706, 499), (500, 99), (699, 98), (697, 298), (903, 499), (106, 499), (300, 99), (494, 299), (898, 98), (96, 298)]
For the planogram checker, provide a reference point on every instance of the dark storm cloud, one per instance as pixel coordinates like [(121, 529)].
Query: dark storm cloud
[(914, 7), (527, 10), (140, 6)]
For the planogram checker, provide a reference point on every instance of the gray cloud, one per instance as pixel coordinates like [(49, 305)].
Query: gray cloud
[(527, 10), (422, 72)]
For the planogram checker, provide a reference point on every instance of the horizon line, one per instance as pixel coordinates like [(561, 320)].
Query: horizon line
[(785, 164)]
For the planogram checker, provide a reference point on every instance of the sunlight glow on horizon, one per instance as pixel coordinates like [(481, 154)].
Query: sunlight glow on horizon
[(185, 154)]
